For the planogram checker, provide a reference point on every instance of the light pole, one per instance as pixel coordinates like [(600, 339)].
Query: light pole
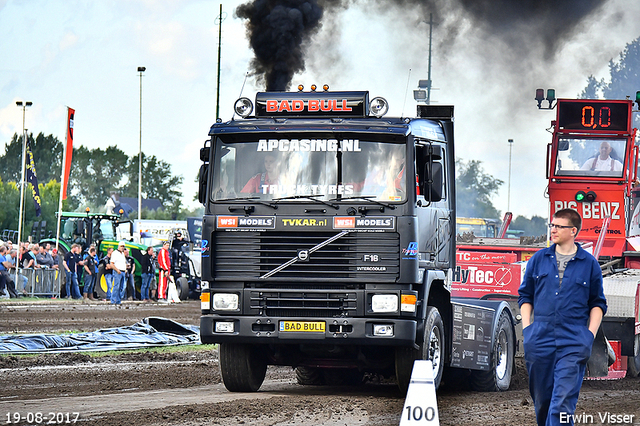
[(24, 106), (509, 184), (140, 70)]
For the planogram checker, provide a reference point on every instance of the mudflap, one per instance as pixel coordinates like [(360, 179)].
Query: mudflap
[(598, 363)]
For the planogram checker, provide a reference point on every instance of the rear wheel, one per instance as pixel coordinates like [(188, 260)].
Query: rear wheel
[(243, 367), (432, 349), (309, 376), (498, 378), (633, 362)]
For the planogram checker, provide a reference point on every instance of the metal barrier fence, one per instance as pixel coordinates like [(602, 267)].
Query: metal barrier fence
[(41, 281)]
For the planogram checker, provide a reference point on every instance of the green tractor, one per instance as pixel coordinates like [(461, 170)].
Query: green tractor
[(101, 230)]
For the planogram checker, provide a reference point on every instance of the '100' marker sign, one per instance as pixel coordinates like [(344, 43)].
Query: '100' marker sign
[(417, 413)]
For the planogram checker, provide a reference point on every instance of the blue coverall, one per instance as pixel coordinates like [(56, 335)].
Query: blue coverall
[(558, 343)]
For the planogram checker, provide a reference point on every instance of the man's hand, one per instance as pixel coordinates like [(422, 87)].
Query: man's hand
[(595, 318), (525, 311)]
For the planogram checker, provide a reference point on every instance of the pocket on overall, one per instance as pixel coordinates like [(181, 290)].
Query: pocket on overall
[(575, 305), (528, 335)]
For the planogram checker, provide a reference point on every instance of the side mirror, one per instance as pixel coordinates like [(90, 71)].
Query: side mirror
[(203, 177), (204, 154), (434, 179)]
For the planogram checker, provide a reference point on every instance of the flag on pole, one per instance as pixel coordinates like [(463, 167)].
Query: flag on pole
[(32, 178), (68, 152)]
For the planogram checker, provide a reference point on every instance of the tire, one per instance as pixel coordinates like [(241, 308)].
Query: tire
[(633, 362), (182, 285), (498, 378), (309, 376), (100, 288), (432, 348), (243, 367)]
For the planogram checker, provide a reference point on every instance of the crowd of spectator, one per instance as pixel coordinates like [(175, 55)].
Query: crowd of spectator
[(25, 258), (80, 269)]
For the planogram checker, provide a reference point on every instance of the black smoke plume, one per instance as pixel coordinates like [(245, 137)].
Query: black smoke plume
[(280, 30), (550, 22)]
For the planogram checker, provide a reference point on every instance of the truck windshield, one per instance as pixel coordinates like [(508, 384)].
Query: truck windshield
[(590, 157), (325, 168)]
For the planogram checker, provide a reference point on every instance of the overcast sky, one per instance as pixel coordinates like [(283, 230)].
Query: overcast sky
[(84, 54)]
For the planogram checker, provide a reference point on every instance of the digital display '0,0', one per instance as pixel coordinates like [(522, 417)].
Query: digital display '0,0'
[(593, 115)]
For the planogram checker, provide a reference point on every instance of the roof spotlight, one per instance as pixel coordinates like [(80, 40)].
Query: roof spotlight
[(243, 107), (378, 107)]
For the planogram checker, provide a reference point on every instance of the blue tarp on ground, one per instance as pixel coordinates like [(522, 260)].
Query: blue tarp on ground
[(149, 332)]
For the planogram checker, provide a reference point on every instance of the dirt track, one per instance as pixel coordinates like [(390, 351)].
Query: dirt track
[(185, 388)]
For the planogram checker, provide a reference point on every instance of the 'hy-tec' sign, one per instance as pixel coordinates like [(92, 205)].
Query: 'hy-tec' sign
[(312, 104)]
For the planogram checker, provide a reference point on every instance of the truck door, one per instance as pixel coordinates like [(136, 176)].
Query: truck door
[(433, 207)]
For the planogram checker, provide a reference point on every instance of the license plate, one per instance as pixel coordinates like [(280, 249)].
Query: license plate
[(302, 326)]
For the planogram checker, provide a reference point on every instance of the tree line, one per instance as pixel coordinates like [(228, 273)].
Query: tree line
[(624, 76), (95, 174)]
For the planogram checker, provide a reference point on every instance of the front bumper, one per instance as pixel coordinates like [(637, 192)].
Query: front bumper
[(347, 331)]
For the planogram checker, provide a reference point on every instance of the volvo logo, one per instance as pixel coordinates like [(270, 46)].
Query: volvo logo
[(303, 255)]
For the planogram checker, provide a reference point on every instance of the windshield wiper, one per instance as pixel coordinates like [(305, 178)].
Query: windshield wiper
[(255, 199), (310, 197), (368, 198)]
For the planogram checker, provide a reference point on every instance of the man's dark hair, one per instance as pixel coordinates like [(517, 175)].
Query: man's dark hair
[(571, 215)]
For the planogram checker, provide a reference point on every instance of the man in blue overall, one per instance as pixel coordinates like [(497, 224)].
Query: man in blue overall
[(563, 285)]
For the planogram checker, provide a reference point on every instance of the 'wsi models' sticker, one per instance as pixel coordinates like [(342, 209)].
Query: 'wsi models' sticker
[(351, 222), (254, 222)]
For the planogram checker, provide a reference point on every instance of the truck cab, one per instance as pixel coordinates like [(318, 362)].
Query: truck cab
[(328, 241)]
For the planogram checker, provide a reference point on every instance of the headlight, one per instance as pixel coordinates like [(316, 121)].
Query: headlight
[(225, 302), (384, 303)]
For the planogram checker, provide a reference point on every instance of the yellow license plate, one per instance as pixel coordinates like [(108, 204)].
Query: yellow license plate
[(302, 326)]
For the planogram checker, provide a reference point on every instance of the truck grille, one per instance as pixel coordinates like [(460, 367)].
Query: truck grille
[(250, 255), (308, 303)]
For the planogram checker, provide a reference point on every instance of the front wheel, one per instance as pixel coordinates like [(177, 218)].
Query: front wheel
[(432, 349), (498, 378), (243, 367)]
